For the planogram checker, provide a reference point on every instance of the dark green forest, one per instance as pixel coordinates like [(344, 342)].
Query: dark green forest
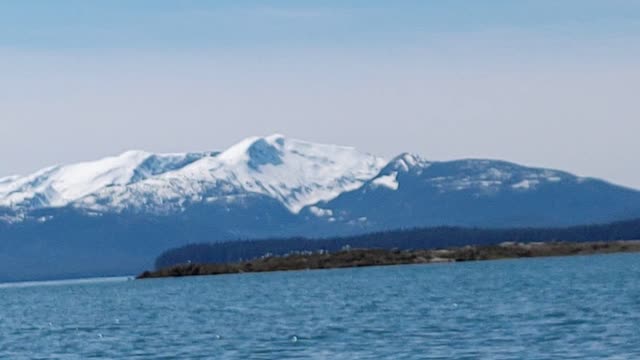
[(406, 239)]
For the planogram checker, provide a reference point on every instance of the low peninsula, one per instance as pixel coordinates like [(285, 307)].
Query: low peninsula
[(379, 257)]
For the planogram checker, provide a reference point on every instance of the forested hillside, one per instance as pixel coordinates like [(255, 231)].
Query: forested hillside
[(419, 238)]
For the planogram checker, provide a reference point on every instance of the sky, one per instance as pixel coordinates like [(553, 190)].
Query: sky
[(544, 82)]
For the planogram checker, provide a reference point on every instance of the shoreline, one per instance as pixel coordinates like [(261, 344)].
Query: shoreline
[(381, 257)]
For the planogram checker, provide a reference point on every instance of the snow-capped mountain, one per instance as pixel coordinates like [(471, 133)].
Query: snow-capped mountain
[(113, 216), (59, 186), (325, 181), (474, 192), (294, 172)]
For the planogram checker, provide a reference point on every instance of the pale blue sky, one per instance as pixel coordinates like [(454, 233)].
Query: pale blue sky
[(545, 83), (232, 24)]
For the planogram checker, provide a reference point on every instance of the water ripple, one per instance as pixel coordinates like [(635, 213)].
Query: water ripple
[(560, 308)]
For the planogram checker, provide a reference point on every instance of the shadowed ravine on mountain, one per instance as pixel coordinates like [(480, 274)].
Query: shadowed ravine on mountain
[(114, 215)]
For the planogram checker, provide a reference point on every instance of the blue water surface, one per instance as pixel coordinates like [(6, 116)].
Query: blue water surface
[(551, 308)]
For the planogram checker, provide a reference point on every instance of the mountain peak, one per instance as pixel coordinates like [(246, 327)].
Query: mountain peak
[(275, 139), (406, 161), (296, 172), (255, 151)]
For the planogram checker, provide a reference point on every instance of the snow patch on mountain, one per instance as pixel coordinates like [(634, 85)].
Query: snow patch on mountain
[(490, 176), (407, 162), (8, 179), (402, 164), (525, 184), (389, 181), (320, 212)]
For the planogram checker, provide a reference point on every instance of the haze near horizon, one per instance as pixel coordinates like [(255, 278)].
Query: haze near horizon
[(541, 83)]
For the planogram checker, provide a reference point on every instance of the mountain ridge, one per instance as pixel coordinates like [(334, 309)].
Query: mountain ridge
[(114, 215), (306, 178), (252, 165)]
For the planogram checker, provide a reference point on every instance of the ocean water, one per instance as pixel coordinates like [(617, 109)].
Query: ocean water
[(552, 308)]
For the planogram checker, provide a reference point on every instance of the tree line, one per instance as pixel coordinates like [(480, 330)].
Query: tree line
[(405, 239)]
